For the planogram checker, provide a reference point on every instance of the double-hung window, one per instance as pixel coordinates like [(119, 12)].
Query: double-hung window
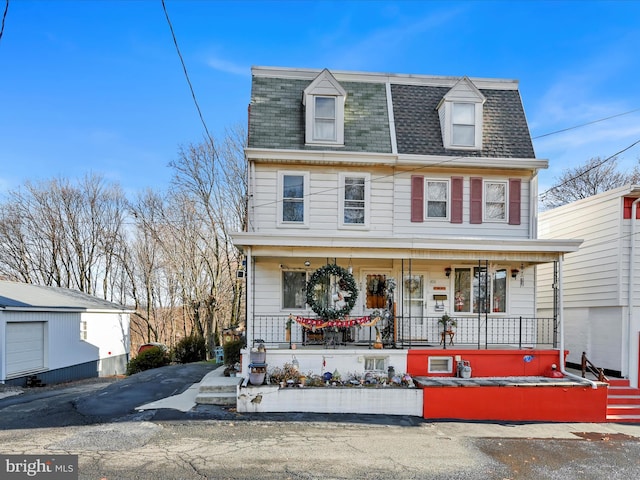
[(437, 198), (324, 128), (354, 199), (463, 124), (495, 201), (293, 200), (294, 284)]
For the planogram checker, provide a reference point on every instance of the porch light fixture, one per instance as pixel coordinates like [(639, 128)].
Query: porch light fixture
[(307, 263), (447, 271), (350, 268), (514, 272)]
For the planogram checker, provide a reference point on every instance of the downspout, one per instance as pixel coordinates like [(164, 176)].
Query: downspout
[(632, 252), (563, 370)]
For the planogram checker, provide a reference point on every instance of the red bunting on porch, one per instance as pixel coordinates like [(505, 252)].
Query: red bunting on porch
[(315, 323)]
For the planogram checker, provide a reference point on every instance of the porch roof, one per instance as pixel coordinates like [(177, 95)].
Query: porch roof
[(432, 248)]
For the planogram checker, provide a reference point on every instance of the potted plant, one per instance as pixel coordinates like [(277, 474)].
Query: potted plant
[(447, 322), (447, 329)]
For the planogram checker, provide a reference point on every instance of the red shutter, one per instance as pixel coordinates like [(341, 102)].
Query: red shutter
[(456, 199), (515, 188), (476, 200), (628, 206), (417, 198)]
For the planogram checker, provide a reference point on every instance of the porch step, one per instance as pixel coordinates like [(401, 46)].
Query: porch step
[(623, 402), (618, 382), (218, 390), (623, 391), (217, 398)]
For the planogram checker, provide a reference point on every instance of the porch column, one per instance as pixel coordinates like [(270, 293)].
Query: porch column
[(249, 296)]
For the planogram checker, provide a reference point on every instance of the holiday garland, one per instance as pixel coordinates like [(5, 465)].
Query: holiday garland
[(346, 283)]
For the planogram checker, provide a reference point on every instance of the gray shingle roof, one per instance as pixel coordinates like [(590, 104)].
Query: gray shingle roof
[(24, 295), (277, 118), (505, 130)]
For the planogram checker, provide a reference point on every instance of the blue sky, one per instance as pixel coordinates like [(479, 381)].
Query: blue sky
[(97, 86)]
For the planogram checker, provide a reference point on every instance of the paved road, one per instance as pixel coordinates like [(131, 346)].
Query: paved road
[(98, 422)]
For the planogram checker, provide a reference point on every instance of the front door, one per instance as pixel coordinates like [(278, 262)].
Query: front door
[(375, 298)]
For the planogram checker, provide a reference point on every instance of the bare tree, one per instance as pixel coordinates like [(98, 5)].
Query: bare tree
[(211, 187), (593, 177)]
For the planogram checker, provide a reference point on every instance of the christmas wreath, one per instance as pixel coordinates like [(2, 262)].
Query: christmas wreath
[(320, 282)]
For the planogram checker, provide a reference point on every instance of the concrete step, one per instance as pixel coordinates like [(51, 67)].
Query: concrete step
[(220, 384), (217, 398)]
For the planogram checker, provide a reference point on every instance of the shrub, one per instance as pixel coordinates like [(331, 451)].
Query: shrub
[(190, 349), (152, 358), (232, 351)]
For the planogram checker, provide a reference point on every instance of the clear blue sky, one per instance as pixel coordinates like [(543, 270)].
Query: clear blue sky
[(97, 86)]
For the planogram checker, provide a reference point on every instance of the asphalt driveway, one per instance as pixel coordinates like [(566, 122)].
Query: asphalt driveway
[(101, 400)]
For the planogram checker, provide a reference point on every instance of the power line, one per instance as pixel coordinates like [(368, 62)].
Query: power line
[(4, 17), (585, 124), (589, 169), (186, 74)]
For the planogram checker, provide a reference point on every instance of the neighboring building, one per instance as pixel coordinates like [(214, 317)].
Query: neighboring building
[(59, 334), (602, 279), (429, 181)]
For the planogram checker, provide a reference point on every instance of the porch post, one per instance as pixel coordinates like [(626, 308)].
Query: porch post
[(249, 297)]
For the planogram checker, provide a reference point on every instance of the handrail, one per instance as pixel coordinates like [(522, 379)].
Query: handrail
[(587, 365)]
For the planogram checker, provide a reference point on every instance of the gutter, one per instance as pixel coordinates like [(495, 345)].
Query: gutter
[(563, 370)]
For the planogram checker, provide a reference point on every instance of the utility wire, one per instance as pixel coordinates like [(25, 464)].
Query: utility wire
[(186, 74), (541, 195), (4, 17), (585, 124)]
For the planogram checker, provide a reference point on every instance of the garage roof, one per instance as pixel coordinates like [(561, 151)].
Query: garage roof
[(14, 295)]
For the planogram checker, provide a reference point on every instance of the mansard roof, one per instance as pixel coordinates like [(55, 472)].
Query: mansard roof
[(383, 109)]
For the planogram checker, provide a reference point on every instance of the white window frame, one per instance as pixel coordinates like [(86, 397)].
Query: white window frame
[(447, 200), (83, 330), (324, 85), (282, 306), (485, 186), (305, 199), (431, 367), (332, 120), (448, 140), (341, 200), (376, 362)]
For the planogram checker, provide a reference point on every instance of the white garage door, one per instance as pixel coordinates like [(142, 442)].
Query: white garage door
[(25, 347)]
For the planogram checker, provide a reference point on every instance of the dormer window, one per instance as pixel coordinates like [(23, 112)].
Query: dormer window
[(460, 114), (463, 125), (324, 119), (324, 111)]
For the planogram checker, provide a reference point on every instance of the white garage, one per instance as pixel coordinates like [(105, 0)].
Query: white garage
[(59, 335), (25, 347)]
